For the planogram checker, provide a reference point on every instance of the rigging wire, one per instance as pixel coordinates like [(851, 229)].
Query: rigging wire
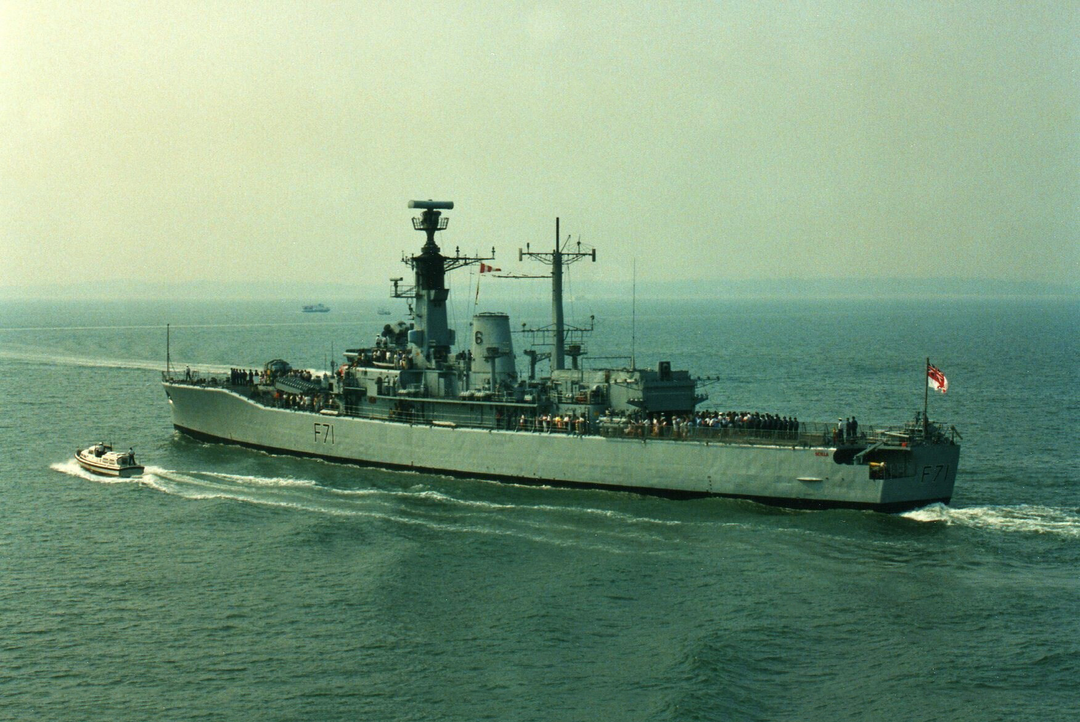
[(633, 319), (453, 307), (475, 299), (568, 280)]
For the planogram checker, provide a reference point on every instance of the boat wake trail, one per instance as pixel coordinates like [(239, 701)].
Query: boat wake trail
[(103, 363), (1026, 518), (577, 526), (72, 468)]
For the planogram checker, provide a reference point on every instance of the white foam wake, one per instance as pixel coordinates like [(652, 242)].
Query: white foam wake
[(105, 363), (246, 479), (308, 496), (72, 468), (1027, 518), (429, 495)]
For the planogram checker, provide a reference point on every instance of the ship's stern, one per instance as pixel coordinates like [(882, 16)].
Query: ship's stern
[(929, 477)]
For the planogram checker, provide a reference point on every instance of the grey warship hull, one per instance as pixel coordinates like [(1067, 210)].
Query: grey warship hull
[(796, 474), (409, 401)]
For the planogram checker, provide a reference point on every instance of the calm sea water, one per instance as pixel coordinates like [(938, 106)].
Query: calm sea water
[(232, 584)]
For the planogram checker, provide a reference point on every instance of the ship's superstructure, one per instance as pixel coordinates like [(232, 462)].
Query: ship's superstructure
[(417, 399)]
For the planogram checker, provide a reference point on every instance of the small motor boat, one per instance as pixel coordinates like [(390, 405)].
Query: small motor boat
[(101, 459)]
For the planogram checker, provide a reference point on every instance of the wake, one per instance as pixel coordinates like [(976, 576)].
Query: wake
[(437, 509), (1026, 518), (104, 363), (580, 527)]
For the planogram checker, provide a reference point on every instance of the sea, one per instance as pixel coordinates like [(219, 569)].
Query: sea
[(234, 584)]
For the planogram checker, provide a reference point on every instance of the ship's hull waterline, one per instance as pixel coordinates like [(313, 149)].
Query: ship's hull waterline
[(795, 476)]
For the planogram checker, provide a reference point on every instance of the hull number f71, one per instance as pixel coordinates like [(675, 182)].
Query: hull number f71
[(324, 433), (934, 473)]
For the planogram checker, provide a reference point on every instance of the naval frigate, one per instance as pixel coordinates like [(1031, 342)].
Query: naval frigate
[(415, 399)]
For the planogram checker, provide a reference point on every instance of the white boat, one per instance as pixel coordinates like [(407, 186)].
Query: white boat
[(101, 459)]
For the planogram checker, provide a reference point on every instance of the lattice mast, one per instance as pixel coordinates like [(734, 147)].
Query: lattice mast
[(557, 259)]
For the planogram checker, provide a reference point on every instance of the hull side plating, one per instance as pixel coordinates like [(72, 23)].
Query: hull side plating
[(798, 476)]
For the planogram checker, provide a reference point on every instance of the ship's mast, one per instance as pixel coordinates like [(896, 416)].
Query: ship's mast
[(557, 259), (430, 292), (557, 317)]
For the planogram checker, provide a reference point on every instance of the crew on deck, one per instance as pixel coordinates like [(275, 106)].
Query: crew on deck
[(748, 425)]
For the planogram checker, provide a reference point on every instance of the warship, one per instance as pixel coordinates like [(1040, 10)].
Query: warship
[(415, 399)]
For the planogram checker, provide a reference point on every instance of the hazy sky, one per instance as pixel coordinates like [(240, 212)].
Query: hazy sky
[(249, 141)]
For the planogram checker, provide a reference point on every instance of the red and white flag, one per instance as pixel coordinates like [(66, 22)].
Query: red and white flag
[(485, 268), (935, 379)]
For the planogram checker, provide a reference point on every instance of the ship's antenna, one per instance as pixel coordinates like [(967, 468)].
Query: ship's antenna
[(633, 319), (168, 355)]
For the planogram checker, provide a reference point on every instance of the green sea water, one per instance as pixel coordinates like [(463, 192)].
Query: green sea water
[(233, 584)]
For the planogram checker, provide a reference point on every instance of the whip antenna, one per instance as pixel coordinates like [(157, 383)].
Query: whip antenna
[(633, 319)]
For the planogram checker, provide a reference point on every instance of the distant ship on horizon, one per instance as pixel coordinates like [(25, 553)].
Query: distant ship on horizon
[(316, 308)]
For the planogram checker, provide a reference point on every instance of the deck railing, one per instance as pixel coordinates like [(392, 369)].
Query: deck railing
[(809, 433)]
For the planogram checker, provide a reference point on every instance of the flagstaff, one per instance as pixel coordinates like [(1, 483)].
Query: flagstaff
[(935, 378), (926, 395)]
